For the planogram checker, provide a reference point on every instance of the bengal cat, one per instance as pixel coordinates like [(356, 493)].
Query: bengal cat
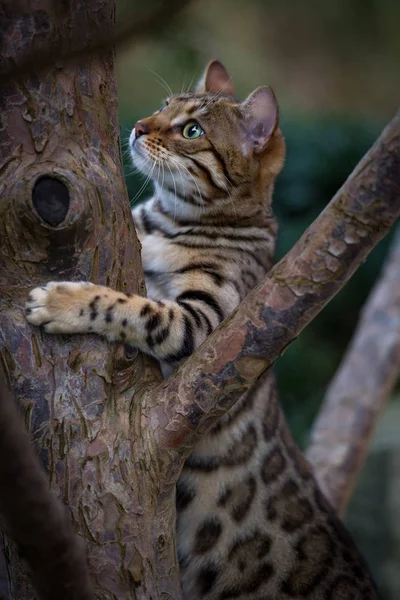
[(252, 523)]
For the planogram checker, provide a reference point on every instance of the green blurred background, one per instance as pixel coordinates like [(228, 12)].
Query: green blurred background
[(334, 67)]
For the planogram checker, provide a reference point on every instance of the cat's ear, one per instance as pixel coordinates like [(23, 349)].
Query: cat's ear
[(261, 114), (215, 80)]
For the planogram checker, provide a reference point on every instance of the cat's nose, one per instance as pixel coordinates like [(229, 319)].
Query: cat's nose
[(141, 129)]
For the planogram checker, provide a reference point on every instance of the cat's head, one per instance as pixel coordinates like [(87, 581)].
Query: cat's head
[(207, 148)]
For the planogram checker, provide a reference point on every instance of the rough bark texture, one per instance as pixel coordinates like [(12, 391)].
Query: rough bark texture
[(274, 314), (360, 389), (79, 396), (44, 533)]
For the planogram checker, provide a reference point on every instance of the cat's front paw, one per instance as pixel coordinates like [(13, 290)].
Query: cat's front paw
[(59, 306)]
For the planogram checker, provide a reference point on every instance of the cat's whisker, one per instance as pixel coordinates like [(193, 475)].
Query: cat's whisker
[(183, 85), (163, 83), (126, 152), (233, 206), (176, 200), (139, 192), (176, 162), (181, 176), (196, 184), (228, 193), (149, 176), (175, 192), (125, 140), (159, 164), (135, 171), (180, 168), (138, 169), (184, 186), (163, 174), (159, 187), (184, 182), (190, 85)]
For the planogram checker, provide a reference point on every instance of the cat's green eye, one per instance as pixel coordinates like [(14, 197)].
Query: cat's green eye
[(192, 130)]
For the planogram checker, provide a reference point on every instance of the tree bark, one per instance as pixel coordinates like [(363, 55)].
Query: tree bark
[(44, 533), (360, 390)]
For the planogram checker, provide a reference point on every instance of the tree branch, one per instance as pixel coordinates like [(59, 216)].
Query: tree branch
[(296, 290), (36, 521), (360, 390)]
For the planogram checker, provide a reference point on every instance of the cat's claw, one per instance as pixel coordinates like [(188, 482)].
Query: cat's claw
[(36, 310), (52, 306)]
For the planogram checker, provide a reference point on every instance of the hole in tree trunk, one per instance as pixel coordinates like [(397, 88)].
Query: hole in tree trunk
[(50, 198)]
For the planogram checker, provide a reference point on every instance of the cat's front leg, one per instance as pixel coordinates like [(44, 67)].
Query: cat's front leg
[(82, 307), (167, 329)]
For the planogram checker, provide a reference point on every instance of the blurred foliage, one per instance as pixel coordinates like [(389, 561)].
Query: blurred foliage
[(340, 57)]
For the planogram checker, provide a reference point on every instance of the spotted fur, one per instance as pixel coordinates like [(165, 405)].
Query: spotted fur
[(251, 522)]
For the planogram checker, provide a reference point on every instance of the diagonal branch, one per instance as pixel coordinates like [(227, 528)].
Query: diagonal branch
[(296, 290), (360, 390), (36, 521)]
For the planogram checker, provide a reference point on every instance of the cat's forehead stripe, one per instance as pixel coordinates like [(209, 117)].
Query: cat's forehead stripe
[(188, 104), (186, 97), (192, 102), (186, 111)]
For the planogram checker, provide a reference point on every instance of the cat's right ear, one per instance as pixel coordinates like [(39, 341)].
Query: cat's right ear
[(215, 80), (261, 114)]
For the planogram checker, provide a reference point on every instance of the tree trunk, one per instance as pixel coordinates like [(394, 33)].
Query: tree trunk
[(59, 139)]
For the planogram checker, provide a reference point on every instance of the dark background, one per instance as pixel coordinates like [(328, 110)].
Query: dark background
[(335, 69)]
